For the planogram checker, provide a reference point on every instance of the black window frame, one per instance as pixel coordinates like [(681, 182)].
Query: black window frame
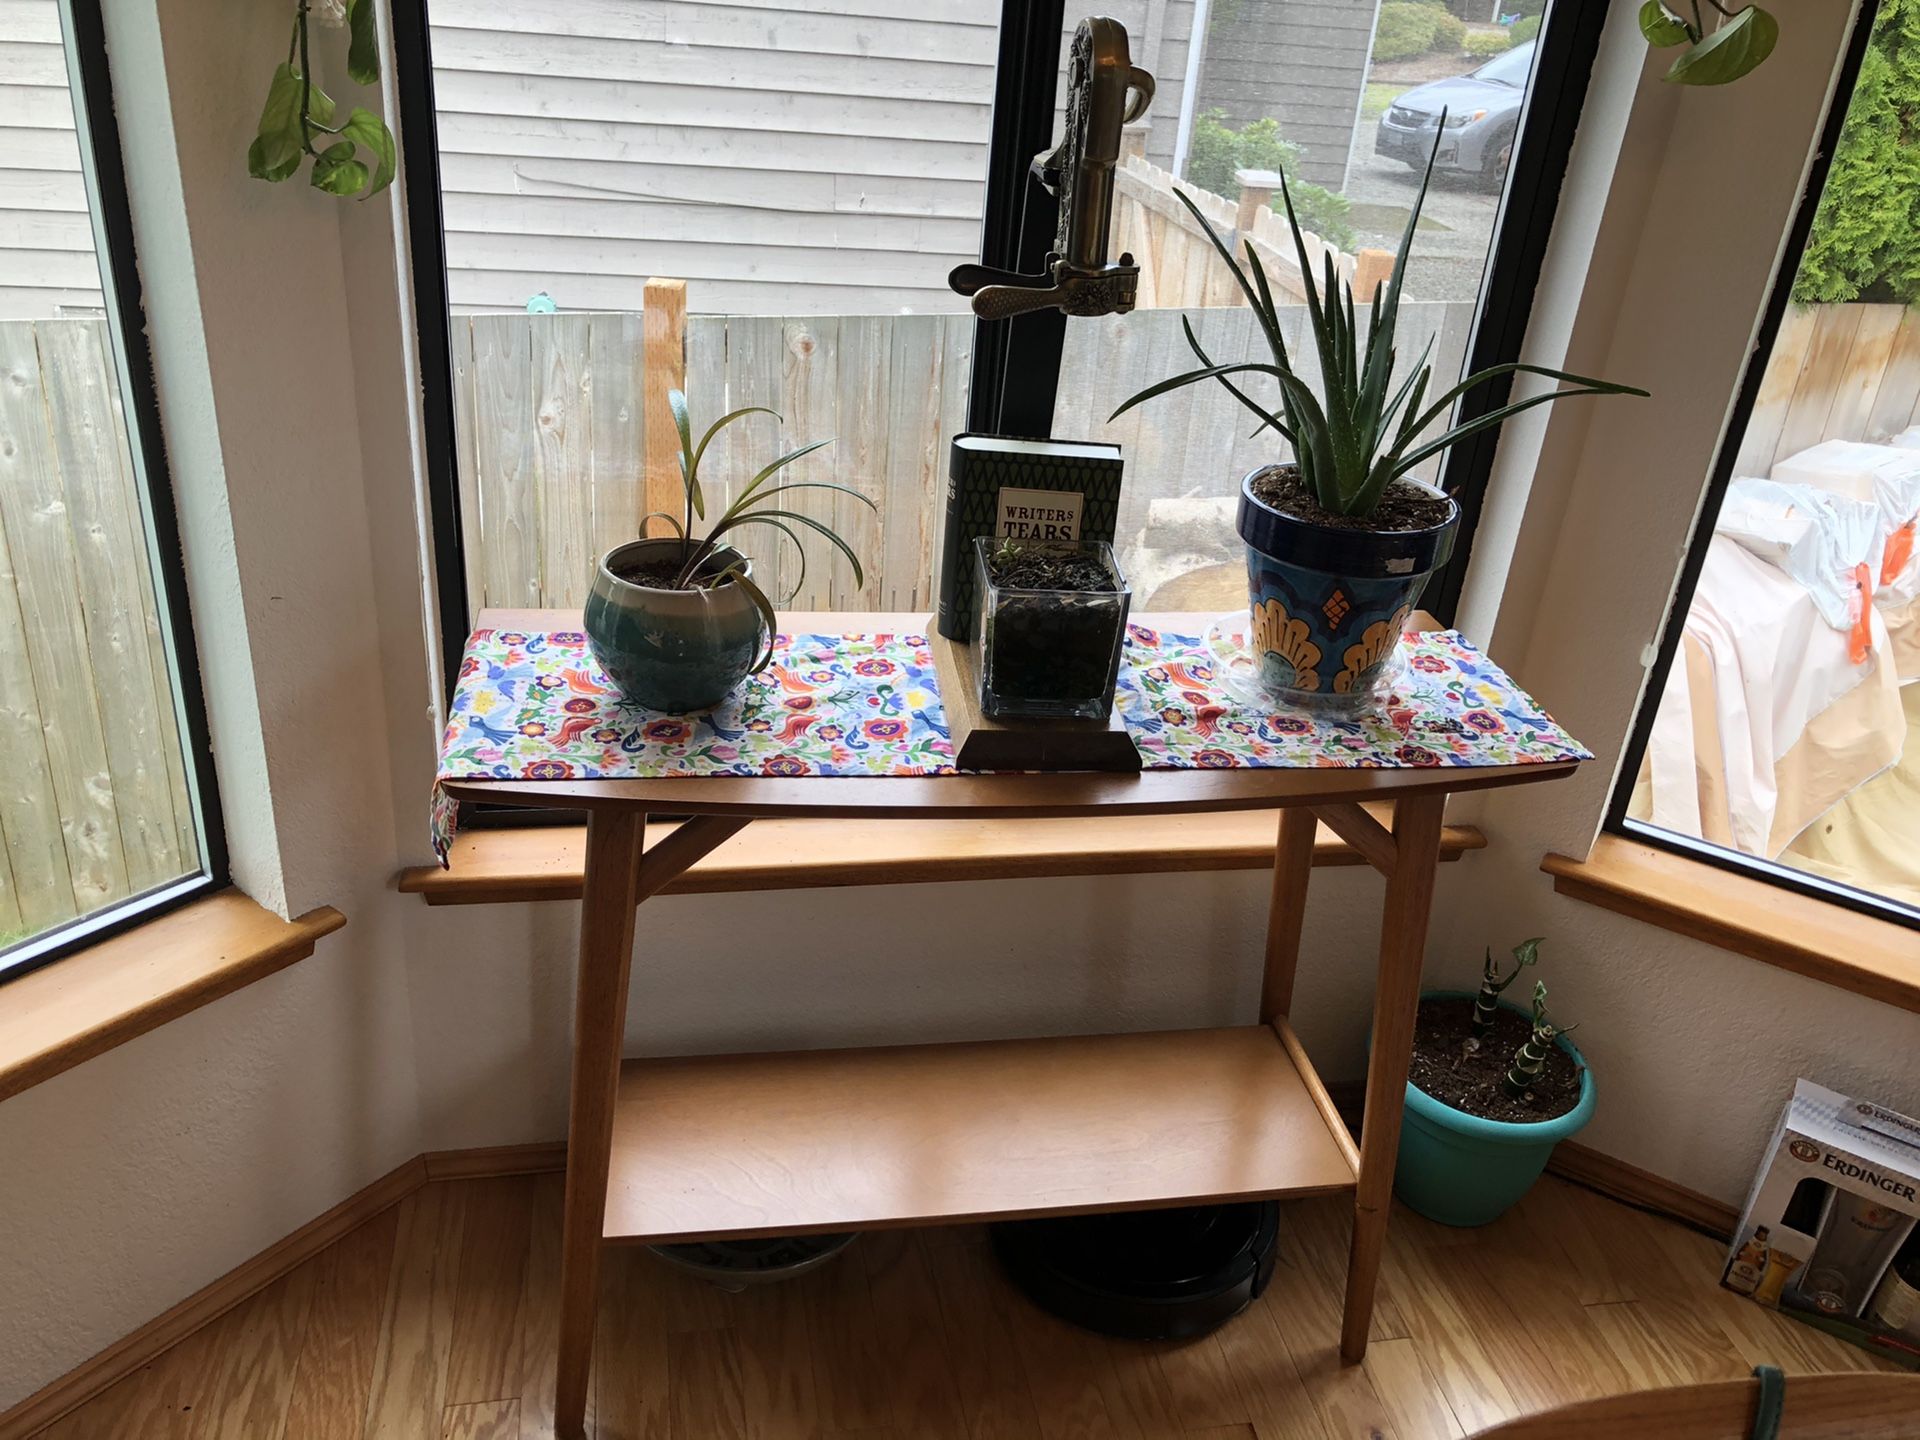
[(1016, 363), (1753, 372), (97, 131)]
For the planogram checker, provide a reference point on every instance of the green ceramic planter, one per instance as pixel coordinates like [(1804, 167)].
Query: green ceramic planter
[(671, 650), (1461, 1170)]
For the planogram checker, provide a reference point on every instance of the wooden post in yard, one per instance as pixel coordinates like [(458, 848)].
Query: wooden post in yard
[(1371, 270), (1257, 188), (663, 367)]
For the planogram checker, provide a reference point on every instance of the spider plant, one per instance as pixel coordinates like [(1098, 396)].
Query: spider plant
[(1361, 432), (758, 503)]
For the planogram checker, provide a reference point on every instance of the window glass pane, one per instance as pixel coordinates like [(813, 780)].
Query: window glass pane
[(1346, 101), (1789, 726), (811, 173), (97, 805)]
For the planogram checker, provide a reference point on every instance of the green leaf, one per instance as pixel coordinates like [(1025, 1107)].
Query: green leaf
[(1206, 228), (1515, 367), (798, 549), (853, 560), (761, 497), (363, 127), (363, 45), (1403, 464), (775, 466), (278, 147), (1737, 48), (1662, 27), (668, 516), (337, 172), (1190, 377), (722, 423), (689, 470), (1267, 419)]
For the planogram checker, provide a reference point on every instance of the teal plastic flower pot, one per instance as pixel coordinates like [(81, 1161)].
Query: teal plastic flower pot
[(1461, 1170)]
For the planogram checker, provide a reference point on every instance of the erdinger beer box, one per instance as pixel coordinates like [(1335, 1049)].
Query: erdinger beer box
[(1831, 1230)]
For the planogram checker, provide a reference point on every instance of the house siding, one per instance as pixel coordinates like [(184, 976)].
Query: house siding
[(1303, 62), (782, 160), (47, 265)]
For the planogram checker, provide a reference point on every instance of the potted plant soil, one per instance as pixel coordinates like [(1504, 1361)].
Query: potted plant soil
[(1052, 623), (677, 622), (1340, 536), (1491, 1091)]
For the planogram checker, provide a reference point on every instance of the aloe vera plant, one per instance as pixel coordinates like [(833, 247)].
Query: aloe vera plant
[(1361, 432), (756, 504)]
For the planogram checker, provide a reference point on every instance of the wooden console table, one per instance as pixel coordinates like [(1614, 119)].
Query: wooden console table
[(742, 1145)]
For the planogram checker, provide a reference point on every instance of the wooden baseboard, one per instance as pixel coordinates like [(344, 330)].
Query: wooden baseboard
[(495, 1160), (133, 1350), (1610, 1177), (1621, 1181)]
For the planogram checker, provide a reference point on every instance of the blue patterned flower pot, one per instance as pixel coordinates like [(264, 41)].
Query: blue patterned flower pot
[(672, 650), (1329, 604)]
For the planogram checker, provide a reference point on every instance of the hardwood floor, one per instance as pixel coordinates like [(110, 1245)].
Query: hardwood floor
[(438, 1318)]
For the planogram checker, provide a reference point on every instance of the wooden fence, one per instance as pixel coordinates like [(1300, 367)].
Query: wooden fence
[(93, 797), (555, 418), (1178, 265), (1837, 372)]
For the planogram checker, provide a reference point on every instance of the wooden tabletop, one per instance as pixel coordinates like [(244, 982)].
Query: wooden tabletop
[(980, 796)]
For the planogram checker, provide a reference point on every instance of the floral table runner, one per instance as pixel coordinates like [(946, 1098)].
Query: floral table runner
[(532, 705)]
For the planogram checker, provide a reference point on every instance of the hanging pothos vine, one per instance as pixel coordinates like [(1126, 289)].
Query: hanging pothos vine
[(1744, 38), (297, 122)]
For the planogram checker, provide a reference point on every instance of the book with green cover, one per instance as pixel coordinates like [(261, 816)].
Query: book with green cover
[(1025, 489)]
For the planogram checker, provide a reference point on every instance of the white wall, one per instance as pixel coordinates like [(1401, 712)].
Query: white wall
[(137, 1178), (1670, 233), (143, 1174)]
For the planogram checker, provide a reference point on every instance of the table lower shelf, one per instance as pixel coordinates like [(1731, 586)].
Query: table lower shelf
[(740, 1145)]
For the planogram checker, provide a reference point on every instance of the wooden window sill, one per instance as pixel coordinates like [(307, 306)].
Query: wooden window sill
[(1747, 915), (546, 863), (84, 1005)]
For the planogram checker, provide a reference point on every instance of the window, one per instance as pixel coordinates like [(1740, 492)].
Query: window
[(106, 795), (777, 193), (1781, 729), (1348, 108)]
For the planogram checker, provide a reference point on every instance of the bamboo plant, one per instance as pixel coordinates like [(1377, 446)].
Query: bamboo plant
[(1531, 1058), (755, 505), (1492, 982), (1361, 432)]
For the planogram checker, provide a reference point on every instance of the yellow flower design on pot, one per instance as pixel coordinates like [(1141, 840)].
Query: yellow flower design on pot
[(1280, 641), (1376, 644)]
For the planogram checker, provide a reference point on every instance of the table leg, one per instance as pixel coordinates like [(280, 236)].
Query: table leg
[(1403, 943), (1287, 910), (608, 899)]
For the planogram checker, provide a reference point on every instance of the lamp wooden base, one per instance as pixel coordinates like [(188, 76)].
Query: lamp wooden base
[(980, 743)]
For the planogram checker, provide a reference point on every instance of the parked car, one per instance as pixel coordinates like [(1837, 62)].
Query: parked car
[(1483, 115)]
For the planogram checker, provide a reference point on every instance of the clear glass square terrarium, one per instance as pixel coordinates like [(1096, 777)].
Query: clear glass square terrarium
[(1052, 623)]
